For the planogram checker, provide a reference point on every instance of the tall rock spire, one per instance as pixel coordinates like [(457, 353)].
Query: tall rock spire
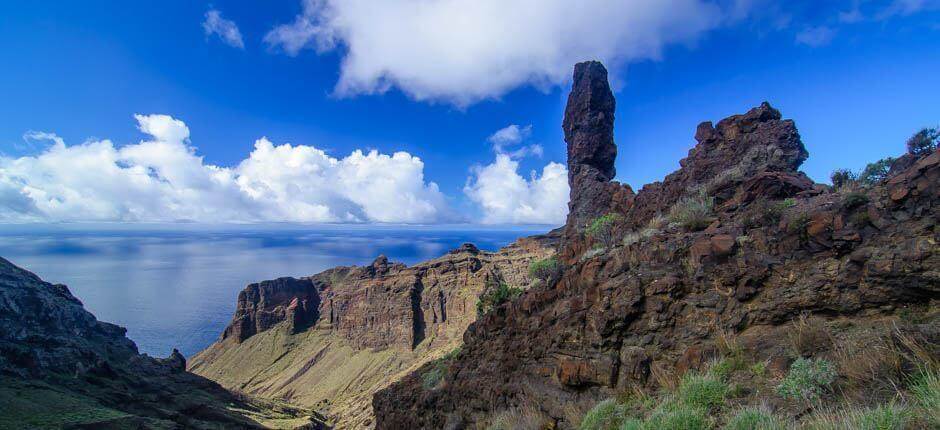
[(589, 133)]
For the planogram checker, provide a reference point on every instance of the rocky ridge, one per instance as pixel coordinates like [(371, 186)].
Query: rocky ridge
[(772, 246), (332, 339), (62, 368)]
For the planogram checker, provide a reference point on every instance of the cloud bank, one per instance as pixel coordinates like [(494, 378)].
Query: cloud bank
[(505, 196), (225, 29), (162, 179), (463, 51)]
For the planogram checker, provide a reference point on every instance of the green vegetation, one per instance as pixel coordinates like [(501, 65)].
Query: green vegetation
[(799, 225), (924, 141), (843, 177), (607, 415), (764, 212), (693, 212), (807, 379), (38, 405), (853, 200), (433, 376), (754, 419), (546, 270), (494, 297), (877, 171), (601, 229), (925, 389)]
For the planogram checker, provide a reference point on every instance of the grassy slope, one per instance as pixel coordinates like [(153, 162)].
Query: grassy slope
[(311, 369)]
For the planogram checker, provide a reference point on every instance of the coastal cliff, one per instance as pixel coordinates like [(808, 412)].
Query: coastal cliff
[(737, 254), (62, 368), (331, 340)]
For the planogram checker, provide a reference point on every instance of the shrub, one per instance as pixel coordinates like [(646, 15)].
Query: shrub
[(495, 297), (807, 379), (693, 212), (546, 270), (638, 236), (704, 391), (601, 229), (923, 142), (433, 377), (884, 417), (593, 252), (754, 419), (607, 415), (765, 212), (853, 200), (877, 171), (843, 177), (798, 225)]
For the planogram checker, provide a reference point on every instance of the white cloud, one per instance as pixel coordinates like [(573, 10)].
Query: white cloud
[(505, 197), (815, 36), (463, 51), (163, 179), (226, 29)]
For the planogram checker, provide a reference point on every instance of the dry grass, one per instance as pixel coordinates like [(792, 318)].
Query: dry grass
[(810, 335), (664, 375), (522, 418)]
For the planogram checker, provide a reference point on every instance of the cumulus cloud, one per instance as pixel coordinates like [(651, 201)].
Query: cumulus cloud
[(163, 179), (225, 29), (506, 197), (463, 51)]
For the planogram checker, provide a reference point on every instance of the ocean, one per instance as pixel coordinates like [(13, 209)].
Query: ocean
[(175, 286)]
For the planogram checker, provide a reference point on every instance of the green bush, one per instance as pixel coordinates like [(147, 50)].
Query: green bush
[(884, 417), (546, 270), (495, 297), (765, 212), (843, 177), (704, 391), (807, 379), (693, 212), (877, 171), (606, 415), (923, 142), (754, 419), (798, 225), (601, 229), (854, 200)]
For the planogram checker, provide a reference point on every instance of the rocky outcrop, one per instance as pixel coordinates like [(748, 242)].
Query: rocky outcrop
[(62, 368), (589, 132), (663, 299), (371, 325)]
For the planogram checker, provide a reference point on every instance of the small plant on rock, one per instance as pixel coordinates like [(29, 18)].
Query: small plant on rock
[(854, 200), (495, 297), (843, 178), (693, 212), (601, 229), (546, 270), (877, 171), (807, 379), (923, 142), (607, 415)]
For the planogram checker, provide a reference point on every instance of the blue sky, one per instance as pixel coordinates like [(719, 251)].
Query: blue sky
[(858, 77)]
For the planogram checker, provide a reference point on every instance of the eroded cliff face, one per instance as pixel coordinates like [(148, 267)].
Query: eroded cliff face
[(62, 368), (661, 297), (331, 340)]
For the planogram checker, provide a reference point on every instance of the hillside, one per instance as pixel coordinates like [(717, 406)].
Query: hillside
[(62, 368), (736, 282), (330, 341)]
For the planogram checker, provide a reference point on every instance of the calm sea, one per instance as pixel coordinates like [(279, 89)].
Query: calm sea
[(175, 286)]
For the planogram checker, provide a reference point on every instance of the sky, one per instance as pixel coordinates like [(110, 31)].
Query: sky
[(421, 111)]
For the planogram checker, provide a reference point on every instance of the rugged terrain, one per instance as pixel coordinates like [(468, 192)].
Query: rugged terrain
[(331, 340), (737, 253), (62, 368)]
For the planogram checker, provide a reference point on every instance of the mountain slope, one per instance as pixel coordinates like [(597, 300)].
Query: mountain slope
[(332, 340), (736, 244), (62, 368)]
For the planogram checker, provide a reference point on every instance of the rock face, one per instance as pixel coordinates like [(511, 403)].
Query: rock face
[(364, 327), (589, 132), (61, 367), (662, 301)]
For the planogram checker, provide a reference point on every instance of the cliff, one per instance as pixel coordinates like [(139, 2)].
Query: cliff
[(737, 247), (333, 339), (62, 368)]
